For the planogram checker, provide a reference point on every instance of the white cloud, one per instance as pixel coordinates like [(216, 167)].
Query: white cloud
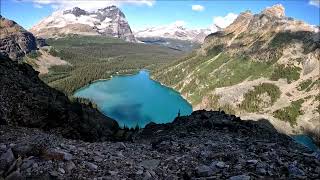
[(314, 3), (38, 6), (53, 6), (197, 8), (213, 28), (224, 21), (88, 4)]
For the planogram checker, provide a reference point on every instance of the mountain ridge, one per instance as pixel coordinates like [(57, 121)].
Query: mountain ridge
[(262, 65)]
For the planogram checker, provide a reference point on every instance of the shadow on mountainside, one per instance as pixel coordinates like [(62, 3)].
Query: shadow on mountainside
[(27, 101)]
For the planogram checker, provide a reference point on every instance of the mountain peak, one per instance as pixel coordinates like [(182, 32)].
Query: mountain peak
[(240, 23), (275, 10), (108, 21), (76, 11), (113, 7)]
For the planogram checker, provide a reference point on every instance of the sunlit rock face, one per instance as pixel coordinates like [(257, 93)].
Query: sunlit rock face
[(276, 10), (15, 41)]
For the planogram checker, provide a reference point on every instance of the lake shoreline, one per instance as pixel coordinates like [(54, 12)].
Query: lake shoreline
[(135, 73), (121, 98), (164, 85)]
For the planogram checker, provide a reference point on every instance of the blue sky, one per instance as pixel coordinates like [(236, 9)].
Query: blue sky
[(145, 13)]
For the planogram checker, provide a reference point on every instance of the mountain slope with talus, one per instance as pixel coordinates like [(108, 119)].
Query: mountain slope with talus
[(109, 21), (263, 65), (203, 145)]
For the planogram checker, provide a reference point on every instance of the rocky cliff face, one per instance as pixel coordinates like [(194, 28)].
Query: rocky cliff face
[(263, 65), (15, 41), (109, 21), (204, 145), (26, 101)]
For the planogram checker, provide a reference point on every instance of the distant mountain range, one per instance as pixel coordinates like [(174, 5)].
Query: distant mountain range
[(109, 21), (177, 44), (174, 31), (263, 65), (175, 36)]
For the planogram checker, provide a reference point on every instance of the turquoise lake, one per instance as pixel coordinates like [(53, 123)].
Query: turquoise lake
[(135, 100), (306, 141)]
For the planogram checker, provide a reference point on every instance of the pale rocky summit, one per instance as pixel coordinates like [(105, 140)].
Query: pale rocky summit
[(240, 23), (109, 21), (15, 41), (276, 10)]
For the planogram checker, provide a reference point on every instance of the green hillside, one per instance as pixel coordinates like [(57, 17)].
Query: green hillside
[(254, 68)]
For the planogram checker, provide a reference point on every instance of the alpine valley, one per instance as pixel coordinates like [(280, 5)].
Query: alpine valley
[(70, 84)]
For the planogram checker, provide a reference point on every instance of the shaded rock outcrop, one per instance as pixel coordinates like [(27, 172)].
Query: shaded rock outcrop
[(15, 41), (27, 101), (41, 42)]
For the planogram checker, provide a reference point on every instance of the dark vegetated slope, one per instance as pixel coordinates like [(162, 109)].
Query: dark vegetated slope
[(26, 101), (95, 58), (254, 101)]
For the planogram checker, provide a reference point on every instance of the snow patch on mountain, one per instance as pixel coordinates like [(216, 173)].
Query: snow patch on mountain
[(176, 30), (109, 21)]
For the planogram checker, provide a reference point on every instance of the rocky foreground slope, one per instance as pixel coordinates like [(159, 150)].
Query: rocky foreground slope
[(263, 65), (204, 145), (108, 21), (15, 41)]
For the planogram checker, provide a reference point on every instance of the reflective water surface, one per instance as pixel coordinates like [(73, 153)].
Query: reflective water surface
[(136, 100)]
